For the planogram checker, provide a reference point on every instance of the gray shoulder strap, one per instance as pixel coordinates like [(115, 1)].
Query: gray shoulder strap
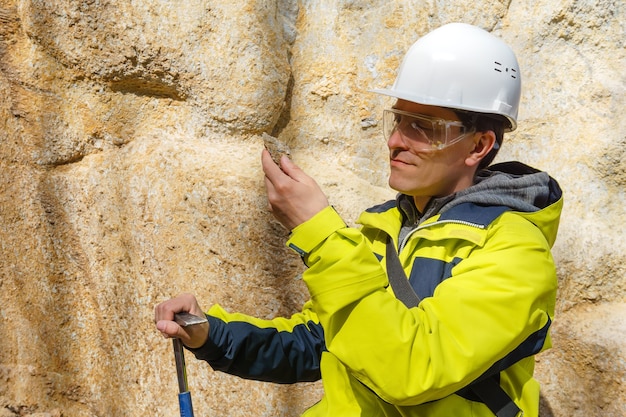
[(397, 278)]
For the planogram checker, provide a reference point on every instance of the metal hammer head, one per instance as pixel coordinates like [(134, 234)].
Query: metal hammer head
[(185, 319)]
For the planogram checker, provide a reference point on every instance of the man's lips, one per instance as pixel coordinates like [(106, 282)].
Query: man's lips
[(396, 158), (398, 162)]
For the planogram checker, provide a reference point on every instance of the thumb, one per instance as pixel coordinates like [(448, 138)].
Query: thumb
[(291, 169), (192, 336), (170, 329)]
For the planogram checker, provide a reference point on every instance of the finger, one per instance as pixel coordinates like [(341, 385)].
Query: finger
[(270, 168), (294, 171), (287, 170), (163, 311), (184, 302), (288, 167)]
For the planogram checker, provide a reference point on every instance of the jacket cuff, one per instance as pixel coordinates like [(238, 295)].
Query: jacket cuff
[(308, 235)]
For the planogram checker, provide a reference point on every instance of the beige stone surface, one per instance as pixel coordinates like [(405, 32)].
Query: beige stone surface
[(130, 140)]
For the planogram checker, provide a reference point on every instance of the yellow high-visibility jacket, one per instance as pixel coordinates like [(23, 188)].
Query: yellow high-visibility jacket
[(482, 266)]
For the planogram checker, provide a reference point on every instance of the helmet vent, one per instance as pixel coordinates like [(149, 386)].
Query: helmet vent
[(500, 68)]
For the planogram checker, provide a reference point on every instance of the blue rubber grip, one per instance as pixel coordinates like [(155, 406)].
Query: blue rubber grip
[(184, 401)]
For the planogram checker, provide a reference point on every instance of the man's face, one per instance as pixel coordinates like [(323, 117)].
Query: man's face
[(424, 175)]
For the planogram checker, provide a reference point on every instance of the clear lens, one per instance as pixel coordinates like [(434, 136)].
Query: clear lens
[(423, 133)]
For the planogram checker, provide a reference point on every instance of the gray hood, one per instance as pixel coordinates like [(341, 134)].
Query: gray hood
[(511, 184)]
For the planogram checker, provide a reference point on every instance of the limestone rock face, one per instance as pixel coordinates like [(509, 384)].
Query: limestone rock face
[(130, 141)]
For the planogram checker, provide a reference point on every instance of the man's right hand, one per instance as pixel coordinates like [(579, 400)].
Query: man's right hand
[(192, 336)]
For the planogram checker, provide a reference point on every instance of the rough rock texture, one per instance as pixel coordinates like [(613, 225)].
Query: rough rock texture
[(130, 136)]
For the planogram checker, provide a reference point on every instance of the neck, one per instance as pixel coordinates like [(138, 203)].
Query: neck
[(421, 203)]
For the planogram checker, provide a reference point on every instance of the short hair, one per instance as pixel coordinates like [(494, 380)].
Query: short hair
[(484, 123)]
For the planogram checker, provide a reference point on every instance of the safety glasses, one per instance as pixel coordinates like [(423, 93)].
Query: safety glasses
[(423, 133)]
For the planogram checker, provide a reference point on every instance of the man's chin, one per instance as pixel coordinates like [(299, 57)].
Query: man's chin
[(399, 186)]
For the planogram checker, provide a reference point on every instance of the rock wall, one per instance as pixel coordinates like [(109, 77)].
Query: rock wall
[(130, 140)]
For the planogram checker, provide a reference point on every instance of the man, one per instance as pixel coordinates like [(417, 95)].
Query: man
[(474, 243)]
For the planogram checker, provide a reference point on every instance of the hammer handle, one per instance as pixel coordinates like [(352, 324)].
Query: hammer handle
[(184, 401)]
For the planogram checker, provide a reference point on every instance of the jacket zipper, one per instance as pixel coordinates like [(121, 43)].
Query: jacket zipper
[(420, 227)]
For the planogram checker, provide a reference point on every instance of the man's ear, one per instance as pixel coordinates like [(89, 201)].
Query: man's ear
[(483, 144)]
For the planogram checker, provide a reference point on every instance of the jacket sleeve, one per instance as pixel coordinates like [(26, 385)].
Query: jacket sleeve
[(281, 350), (497, 297)]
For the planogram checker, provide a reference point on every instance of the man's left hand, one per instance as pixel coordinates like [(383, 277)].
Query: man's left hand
[(294, 197)]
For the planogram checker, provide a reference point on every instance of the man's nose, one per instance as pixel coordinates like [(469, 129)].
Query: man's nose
[(396, 141)]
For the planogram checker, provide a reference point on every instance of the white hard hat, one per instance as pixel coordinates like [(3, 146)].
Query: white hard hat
[(460, 66)]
